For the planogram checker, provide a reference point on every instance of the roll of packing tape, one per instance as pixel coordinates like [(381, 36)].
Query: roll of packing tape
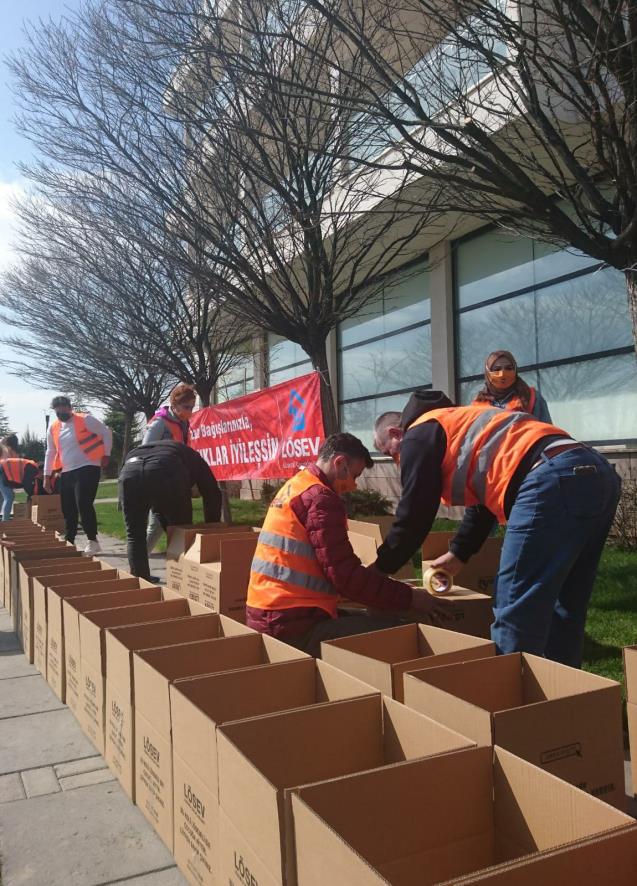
[(437, 581)]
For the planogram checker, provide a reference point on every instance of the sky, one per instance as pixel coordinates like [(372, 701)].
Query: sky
[(24, 404)]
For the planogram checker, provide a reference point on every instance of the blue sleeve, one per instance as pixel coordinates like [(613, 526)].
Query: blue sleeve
[(541, 409), (155, 431)]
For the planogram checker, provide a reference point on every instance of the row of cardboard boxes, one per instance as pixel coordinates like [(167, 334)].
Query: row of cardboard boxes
[(257, 764), (44, 510)]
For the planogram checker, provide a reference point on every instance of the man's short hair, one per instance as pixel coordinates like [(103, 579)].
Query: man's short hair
[(345, 444), (11, 440), (62, 400), (384, 421)]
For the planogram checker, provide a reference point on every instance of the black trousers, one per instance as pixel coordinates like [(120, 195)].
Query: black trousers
[(77, 494), (343, 626), (162, 487)]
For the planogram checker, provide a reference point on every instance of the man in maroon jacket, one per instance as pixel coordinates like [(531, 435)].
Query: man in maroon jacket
[(304, 560)]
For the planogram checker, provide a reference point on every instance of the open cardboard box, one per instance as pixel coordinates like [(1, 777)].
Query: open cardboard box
[(120, 643), (261, 760), (479, 573), (154, 671), (380, 658), (46, 505), (41, 585), (564, 720), (88, 595), (374, 528), (198, 706), (630, 670), (217, 571), (45, 547), (180, 539), (93, 664), (441, 820), (30, 569)]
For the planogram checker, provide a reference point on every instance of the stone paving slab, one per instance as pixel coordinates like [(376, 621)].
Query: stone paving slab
[(79, 767), (93, 835), (27, 695), (40, 740), (11, 788), (39, 782), (82, 779), (14, 664)]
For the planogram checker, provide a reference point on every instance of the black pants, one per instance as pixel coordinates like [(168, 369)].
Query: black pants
[(162, 487), (77, 494), (343, 626)]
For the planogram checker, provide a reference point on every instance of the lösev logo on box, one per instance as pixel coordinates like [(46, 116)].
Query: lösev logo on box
[(243, 872), (194, 802), (151, 750), (116, 711)]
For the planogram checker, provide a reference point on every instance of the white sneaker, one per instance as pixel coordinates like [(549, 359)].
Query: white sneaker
[(92, 548)]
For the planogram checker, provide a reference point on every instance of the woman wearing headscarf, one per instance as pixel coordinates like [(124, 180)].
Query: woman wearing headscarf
[(505, 389)]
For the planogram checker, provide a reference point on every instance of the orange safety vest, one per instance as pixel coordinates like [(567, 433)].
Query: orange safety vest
[(513, 405), (175, 427), (14, 468), (285, 572), (484, 450), (91, 444)]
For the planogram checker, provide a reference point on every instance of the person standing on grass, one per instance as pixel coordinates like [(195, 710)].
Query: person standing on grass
[(160, 477), (79, 445), (171, 422), (557, 496)]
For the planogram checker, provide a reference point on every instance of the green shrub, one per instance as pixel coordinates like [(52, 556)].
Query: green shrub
[(367, 503)]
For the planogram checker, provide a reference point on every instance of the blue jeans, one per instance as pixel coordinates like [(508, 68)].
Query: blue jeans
[(8, 494), (554, 540)]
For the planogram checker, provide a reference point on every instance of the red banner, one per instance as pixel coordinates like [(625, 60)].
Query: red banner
[(267, 435)]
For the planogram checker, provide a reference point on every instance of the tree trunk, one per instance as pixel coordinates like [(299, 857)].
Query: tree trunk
[(331, 423), (631, 286)]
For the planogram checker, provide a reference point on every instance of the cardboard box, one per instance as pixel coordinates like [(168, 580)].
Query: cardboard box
[(154, 671), (216, 571), (20, 544), (30, 569), (40, 601), (93, 668), (564, 720), (45, 506), (381, 658), (198, 706), (120, 643), (491, 810), (263, 759), (100, 595), (630, 671), (181, 538), (20, 509), (49, 549), (479, 573), (375, 528)]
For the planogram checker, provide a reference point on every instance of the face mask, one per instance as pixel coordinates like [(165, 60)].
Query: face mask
[(63, 416), (343, 485), (396, 458), (501, 379)]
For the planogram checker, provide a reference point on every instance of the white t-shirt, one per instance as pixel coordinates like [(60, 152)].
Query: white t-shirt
[(71, 455)]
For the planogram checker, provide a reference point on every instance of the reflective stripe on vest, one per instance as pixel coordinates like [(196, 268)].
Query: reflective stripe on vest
[(484, 449), (13, 468), (285, 572), (91, 444)]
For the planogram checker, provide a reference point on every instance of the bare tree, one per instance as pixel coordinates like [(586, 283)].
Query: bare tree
[(176, 104), (520, 113)]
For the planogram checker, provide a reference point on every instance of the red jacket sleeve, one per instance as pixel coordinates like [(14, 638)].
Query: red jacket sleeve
[(323, 514)]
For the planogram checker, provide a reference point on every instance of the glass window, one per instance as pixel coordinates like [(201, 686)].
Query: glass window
[(583, 315), (594, 400), (283, 353), (492, 264), (403, 302), (506, 325), (237, 381), (390, 364)]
